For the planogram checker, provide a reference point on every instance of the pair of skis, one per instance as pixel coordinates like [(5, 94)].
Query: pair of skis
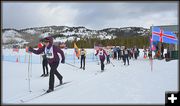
[(35, 97)]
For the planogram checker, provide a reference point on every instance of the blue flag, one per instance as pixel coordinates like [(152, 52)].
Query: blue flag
[(158, 34)]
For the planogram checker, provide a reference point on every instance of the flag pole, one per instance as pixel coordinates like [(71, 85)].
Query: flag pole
[(151, 59), (93, 52), (74, 54), (160, 45)]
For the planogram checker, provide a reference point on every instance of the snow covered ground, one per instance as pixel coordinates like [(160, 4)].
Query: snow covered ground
[(133, 84)]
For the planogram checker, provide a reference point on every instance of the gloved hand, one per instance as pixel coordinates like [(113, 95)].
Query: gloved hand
[(30, 49), (63, 61)]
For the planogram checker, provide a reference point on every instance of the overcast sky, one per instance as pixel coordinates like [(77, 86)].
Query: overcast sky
[(93, 15)]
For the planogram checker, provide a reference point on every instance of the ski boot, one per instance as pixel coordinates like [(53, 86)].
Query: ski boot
[(42, 75), (49, 90), (61, 82), (46, 75)]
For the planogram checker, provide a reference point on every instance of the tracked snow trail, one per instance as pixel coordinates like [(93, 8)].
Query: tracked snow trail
[(121, 84)]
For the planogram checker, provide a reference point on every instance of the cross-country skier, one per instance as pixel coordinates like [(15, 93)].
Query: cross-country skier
[(150, 53), (51, 52), (145, 52), (83, 57), (136, 52), (101, 52), (119, 52), (108, 51), (131, 53), (45, 65), (126, 55), (44, 61), (115, 52), (162, 51)]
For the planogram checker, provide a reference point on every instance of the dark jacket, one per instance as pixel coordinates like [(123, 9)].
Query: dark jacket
[(56, 50)]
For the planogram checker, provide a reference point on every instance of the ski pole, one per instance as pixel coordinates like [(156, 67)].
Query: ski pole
[(72, 65), (28, 74), (31, 66), (112, 64)]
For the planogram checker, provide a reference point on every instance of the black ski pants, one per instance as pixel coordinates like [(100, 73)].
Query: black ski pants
[(45, 66), (126, 57), (108, 58), (83, 61), (53, 71), (102, 64)]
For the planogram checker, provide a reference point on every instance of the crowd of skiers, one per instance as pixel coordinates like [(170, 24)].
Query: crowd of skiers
[(50, 56), (122, 53)]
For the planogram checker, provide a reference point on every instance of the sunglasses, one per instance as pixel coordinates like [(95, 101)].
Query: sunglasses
[(46, 41)]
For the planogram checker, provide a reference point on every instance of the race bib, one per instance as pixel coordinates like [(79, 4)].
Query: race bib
[(100, 53), (82, 52), (126, 52), (49, 53)]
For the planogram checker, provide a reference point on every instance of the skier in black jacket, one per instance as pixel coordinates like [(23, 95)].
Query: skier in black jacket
[(44, 61), (126, 55), (45, 65), (83, 57)]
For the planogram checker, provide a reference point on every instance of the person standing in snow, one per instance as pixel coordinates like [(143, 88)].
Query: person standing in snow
[(162, 51), (101, 52), (156, 51), (130, 53), (45, 65), (83, 57), (108, 51), (51, 52), (44, 61), (150, 53), (126, 55), (145, 52), (115, 52), (135, 52), (119, 52)]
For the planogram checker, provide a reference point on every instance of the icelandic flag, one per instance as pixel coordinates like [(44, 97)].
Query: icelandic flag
[(158, 34)]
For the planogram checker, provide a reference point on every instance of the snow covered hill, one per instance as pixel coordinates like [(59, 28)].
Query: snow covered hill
[(13, 36), (133, 84)]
